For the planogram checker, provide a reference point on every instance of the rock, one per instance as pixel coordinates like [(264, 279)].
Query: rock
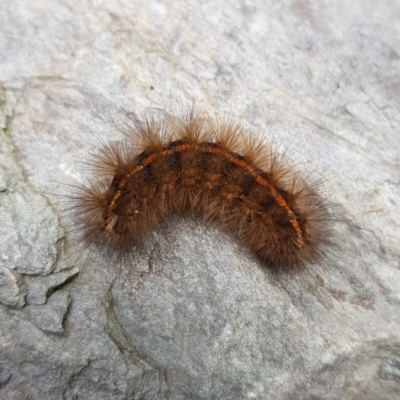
[(193, 314), (50, 317), (13, 291), (40, 288)]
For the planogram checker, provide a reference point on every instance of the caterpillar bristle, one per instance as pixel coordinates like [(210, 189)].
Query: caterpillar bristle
[(194, 164)]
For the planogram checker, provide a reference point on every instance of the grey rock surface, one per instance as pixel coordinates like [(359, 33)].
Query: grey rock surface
[(50, 317), (195, 316)]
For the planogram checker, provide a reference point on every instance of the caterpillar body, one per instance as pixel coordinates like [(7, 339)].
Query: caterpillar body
[(194, 165)]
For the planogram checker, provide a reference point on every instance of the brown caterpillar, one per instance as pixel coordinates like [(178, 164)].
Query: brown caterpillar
[(192, 165)]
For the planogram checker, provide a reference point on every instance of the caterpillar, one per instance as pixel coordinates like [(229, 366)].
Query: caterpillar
[(194, 165)]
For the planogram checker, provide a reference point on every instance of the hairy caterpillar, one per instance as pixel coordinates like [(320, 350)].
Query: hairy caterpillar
[(193, 165)]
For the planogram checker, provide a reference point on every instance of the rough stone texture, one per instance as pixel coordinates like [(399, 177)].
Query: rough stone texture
[(196, 316)]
